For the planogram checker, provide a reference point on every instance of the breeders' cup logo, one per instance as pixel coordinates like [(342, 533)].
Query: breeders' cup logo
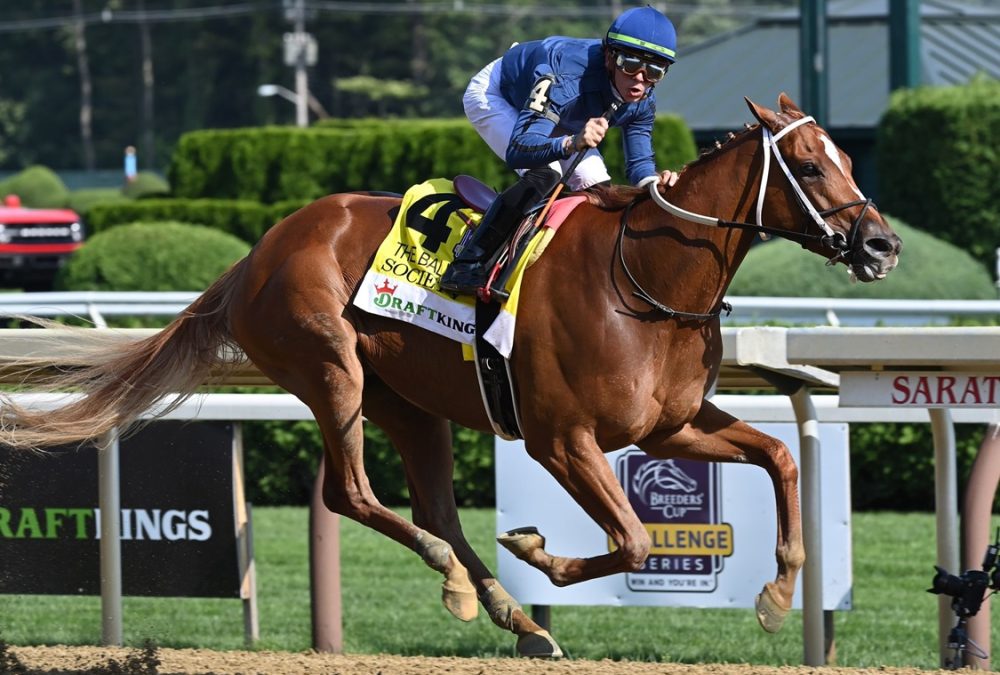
[(663, 485), (384, 294), (679, 503)]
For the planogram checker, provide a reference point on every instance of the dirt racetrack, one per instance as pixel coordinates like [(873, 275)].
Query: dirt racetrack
[(96, 660)]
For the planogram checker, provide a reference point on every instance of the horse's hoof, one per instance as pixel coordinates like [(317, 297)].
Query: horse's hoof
[(538, 645), (522, 541), (770, 613), (457, 592), (461, 602)]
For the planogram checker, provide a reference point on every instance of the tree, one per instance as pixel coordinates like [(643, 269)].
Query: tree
[(86, 88), (147, 148)]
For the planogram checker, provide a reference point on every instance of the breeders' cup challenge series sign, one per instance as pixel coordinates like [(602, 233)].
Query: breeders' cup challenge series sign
[(712, 527)]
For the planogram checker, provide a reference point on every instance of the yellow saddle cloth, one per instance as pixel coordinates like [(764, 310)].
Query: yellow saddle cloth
[(402, 282)]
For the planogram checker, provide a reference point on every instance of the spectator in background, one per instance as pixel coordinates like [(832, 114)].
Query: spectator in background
[(131, 167)]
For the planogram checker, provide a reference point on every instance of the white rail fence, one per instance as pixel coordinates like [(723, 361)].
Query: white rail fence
[(96, 305)]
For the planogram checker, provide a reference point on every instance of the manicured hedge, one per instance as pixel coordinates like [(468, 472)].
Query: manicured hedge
[(938, 162), (246, 220), (272, 164)]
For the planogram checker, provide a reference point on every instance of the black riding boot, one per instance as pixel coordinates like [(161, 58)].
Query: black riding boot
[(470, 269)]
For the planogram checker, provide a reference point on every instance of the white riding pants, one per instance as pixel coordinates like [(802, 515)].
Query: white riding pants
[(494, 118)]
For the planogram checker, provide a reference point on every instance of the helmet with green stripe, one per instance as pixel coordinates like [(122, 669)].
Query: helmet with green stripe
[(645, 31)]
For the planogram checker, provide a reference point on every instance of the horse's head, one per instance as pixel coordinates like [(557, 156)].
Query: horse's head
[(819, 195)]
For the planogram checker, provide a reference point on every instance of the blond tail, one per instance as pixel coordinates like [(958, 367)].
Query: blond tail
[(117, 381)]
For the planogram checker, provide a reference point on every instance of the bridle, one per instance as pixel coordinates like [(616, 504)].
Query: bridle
[(828, 238)]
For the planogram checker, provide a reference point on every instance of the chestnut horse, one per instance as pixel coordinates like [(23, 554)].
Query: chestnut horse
[(617, 343)]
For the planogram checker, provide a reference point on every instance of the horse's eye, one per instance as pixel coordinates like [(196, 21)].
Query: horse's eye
[(809, 169)]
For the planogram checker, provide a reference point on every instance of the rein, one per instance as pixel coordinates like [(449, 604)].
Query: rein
[(641, 293), (829, 238)]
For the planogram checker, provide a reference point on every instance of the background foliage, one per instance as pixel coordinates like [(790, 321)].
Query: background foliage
[(928, 268), (38, 187), (938, 162), (205, 67), (285, 163), (244, 219), (152, 257), (256, 170)]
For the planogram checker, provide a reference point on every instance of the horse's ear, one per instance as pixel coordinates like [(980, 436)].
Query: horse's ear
[(765, 116), (787, 105)]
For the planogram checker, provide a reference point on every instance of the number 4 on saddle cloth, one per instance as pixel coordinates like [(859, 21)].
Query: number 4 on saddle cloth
[(402, 282)]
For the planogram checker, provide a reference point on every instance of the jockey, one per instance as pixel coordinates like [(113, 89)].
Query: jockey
[(543, 102)]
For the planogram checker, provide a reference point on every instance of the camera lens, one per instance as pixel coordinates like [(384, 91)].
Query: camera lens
[(946, 584)]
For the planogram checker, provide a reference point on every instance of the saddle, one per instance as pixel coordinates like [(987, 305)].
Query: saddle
[(478, 196)]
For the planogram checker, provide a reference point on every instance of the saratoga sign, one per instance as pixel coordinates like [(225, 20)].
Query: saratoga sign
[(920, 389)]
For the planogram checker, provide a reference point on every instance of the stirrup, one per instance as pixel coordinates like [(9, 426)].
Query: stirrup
[(463, 281)]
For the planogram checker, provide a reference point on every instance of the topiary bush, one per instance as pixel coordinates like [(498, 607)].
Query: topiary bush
[(146, 184), (938, 157), (38, 187), (151, 257), (929, 268)]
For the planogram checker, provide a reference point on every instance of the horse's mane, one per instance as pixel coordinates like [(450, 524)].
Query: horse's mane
[(615, 197), (708, 153), (612, 197)]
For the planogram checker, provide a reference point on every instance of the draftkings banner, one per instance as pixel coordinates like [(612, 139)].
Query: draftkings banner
[(177, 516)]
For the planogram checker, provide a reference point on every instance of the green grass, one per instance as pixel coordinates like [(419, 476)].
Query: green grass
[(391, 604)]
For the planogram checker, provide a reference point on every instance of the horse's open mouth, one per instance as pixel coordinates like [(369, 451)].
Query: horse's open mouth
[(871, 271)]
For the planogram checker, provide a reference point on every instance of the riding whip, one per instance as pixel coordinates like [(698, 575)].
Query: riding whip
[(608, 114)]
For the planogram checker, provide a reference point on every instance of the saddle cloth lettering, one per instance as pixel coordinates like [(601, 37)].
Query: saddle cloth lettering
[(402, 282)]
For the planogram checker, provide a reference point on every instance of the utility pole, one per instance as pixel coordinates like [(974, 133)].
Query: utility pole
[(814, 60), (300, 52)]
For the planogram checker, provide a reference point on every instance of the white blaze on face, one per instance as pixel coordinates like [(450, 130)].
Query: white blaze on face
[(834, 155)]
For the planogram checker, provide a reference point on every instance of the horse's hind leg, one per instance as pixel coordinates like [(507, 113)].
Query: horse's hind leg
[(424, 443), (331, 384), (346, 490), (716, 436)]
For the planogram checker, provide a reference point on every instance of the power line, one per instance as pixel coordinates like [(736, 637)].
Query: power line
[(132, 16), (457, 7)]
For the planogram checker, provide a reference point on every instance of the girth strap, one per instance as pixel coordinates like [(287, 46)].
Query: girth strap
[(496, 382)]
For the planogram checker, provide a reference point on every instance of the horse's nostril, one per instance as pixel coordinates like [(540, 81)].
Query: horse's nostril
[(880, 246)]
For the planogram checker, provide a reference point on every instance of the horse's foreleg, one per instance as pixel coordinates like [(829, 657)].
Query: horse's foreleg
[(581, 468), (424, 443), (716, 436)]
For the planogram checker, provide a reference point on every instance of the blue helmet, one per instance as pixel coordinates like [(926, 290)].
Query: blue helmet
[(644, 30)]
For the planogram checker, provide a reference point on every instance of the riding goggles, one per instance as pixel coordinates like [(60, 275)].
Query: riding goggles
[(631, 65)]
